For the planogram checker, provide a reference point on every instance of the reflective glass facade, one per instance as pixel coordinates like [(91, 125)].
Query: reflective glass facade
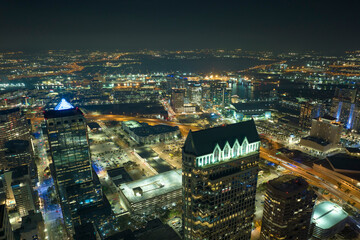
[(219, 185), (69, 147)]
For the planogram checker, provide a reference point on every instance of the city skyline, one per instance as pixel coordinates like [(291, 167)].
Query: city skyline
[(187, 120)]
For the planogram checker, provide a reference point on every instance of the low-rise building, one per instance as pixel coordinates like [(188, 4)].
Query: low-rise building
[(119, 176), (144, 195), (143, 133), (328, 219)]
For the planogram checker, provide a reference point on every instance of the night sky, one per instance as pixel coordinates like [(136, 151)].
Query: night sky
[(137, 24)]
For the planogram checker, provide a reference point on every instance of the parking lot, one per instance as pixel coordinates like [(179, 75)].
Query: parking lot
[(105, 152), (153, 159)]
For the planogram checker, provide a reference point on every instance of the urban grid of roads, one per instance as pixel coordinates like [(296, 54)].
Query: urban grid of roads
[(111, 147)]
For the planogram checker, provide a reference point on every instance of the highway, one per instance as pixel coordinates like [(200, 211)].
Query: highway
[(184, 128), (314, 178)]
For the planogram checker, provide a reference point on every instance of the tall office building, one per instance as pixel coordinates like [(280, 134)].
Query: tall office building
[(18, 153), (205, 93), (23, 194), (17, 186), (308, 111), (345, 108), (326, 128), (13, 126), (220, 169), (69, 146), (288, 208), (324, 134), (219, 93), (195, 93), (177, 99)]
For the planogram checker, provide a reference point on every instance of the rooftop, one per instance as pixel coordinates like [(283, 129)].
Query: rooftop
[(143, 129), (343, 161), (62, 113), (204, 141), (119, 176), (93, 125), (132, 124), (288, 183), (328, 117), (154, 229), (154, 130), (317, 140), (151, 187), (327, 215)]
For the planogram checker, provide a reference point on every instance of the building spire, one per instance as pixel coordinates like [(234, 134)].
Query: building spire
[(64, 105)]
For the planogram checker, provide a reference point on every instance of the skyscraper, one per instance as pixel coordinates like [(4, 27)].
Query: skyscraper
[(13, 126), (195, 93), (177, 99), (219, 93), (288, 208), (23, 195), (18, 153), (308, 111), (220, 168), (68, 140), (69, 146)]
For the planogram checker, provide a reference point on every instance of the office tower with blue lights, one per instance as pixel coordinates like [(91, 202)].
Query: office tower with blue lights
[(345, 108), (288, 208), (308, 111), (220, 169), (69, 146)]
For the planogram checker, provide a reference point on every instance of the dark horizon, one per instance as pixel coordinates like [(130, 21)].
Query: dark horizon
[(257, 25)]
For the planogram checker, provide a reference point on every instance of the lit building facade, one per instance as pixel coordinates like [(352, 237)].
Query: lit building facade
[(308, 111), (195, 93), (18, 153), (177, 99), (220, 94), (345, 108), (69, 146), (324, 134), (220, 169), (13, 126), (288, 208), (23, 195)]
